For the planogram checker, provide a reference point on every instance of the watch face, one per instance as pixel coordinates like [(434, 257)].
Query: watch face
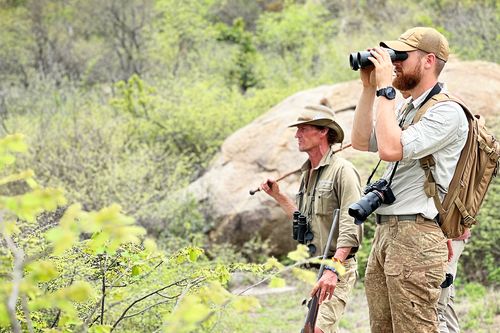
[(390, 92)]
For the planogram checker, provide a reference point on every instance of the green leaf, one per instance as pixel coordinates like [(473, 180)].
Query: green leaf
[(300, 254), (215, 293), (190, 313), (136, 270), (4, 316), (273, 263), (277, 282), (6, 159), (79, 291), (25, 175), (194, 253), (100, 329), (305, 275), (61, 239), (246, 304), (13, 143), (42, 271), (150, 246)]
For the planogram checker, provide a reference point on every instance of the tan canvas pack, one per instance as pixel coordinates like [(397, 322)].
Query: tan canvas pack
[(477, 165)]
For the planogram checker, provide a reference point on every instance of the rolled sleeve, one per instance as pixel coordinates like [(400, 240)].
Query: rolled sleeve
[(349, 191)]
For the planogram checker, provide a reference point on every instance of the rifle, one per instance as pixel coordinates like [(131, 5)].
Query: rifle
[(313, 303)]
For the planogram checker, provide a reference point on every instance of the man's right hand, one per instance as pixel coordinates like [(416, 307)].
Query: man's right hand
[(368, 78), (271, 187)]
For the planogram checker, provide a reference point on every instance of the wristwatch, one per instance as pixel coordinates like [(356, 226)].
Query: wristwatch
[(388, 92), (331, 269)]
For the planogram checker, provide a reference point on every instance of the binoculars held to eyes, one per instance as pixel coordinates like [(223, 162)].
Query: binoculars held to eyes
[(359, 59)]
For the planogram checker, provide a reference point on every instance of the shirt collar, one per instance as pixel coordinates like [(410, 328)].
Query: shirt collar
[(325, 160), (418, 101)]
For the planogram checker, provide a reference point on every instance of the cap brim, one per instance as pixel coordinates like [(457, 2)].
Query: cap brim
[(397, 45)]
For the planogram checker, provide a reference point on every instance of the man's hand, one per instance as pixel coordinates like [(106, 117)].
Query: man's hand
[(367, 75), (450, 250), (271, 187), (326, 284), (383, 66)]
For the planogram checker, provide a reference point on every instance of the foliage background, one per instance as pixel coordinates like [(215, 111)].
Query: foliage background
[(127, 101)]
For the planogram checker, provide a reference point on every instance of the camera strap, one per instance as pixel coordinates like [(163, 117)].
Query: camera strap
[(435, 90)]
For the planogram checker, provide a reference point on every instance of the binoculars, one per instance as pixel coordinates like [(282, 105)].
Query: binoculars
[(359, 59), (300, 228)]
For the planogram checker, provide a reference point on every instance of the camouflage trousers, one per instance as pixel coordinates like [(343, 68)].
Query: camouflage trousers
[(405, 269), (331, 311)]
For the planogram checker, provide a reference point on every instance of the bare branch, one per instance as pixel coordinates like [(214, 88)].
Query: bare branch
[(145, 309), (24, 304), (178, 283), (17, 275)]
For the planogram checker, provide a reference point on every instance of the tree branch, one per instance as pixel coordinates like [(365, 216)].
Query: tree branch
[(177, 283), (24, 304), (17, 275)]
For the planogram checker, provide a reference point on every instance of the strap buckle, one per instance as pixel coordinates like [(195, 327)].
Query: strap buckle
[(469, 221)]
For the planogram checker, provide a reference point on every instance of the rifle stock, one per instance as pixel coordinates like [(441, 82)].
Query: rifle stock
[(312, 314), (313, 303)]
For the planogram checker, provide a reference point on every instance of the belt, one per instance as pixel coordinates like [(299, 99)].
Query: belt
[(401, 218)]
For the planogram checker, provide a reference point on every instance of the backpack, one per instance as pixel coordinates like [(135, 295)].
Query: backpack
[(476, 167)]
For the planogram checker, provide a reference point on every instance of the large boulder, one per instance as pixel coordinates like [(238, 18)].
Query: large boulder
[(267, 148)]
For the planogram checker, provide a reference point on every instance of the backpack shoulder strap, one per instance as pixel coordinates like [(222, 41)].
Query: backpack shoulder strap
[(438, 98), (427, 162)]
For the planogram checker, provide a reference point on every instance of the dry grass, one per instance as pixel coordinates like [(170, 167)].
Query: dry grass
[(282, 312)]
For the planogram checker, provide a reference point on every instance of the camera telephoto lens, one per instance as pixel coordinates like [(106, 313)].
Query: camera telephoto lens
[(365, 206)]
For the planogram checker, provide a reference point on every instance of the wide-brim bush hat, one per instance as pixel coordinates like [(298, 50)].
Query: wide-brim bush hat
[(320, 115)]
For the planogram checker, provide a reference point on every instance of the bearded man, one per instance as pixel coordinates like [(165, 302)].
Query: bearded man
[(408, 259)]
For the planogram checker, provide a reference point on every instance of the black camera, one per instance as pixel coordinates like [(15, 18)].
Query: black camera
[(375, 195), (359, 59)]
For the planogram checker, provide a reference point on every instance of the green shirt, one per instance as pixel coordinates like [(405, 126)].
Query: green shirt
[(335, 183)]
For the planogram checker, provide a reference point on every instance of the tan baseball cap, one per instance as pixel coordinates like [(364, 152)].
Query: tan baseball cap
[(320, 115), (421, 38)]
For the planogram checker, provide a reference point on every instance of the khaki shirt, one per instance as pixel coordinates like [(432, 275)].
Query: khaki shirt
[(335, 183)]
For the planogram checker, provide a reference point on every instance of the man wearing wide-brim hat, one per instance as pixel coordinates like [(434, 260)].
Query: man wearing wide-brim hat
[(328, 182)]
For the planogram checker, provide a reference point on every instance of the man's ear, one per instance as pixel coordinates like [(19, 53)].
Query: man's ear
[(430, 60)]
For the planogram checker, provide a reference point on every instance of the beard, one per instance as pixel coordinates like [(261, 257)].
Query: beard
[(408, 81)]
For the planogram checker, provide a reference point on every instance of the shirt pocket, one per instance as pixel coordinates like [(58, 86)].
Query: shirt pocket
[(324, 198)]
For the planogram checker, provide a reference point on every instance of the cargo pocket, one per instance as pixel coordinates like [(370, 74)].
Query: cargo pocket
[(422, 283)]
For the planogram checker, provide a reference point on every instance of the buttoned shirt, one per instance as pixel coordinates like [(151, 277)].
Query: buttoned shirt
[(442, 132), (335, 183)]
